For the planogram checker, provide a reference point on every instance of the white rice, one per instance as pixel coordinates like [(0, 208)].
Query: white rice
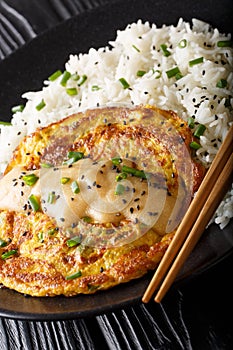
[(138, 48)]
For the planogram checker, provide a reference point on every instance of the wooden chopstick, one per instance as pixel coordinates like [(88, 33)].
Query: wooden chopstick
[(223, 157)]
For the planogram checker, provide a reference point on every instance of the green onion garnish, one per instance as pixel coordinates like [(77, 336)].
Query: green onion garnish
[(182, 44), (222, 83), (200, 130), (64, 180), (18, 108), (51, 198), (166, 52), (52, 231), (5, 123), (116, 160), (82, 80), (196, 61), (136, 48), (194, 145), (41, 237), (140, 73), (30, 179), (191, 122), (72, 242), (8, 254), (72, 91), (55, 75), (178, 76), (133, 171), (86, 219), (124, 83), (65, 77), (120, 189), (121, 176), (41, 105), (2, 243), (74, 275), (73, 157), (173, 72), (75, 187), (159, 73), (225, 43), (34, 202), (95, 88)]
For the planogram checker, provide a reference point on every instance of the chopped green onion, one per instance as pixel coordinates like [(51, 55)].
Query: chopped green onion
[(166, 52), (18, 108), (182, 44), (2, 243), (72, 242), (196, 61), (95, 88), (136, 48), (120, 189), (178, 76), (159, 74), (124, 83), (64, 180), (51, 198), (194, 145), (225, 43), (133, 171), (74, 275), (73, 157), (65, 77), (86, 219), (191, 122), (75, 187), (116, 160), (121, 176), (34, 202), (41, 105), (82, 80), (8, 254), (52, 231), (46, 165), (222, 83), (5, 123), (30, 179), (172, 72), (41, 237), (140, 73), (55, 75), (72, 91), (200, 130)]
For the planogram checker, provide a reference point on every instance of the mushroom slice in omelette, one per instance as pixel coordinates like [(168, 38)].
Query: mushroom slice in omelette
[(94, 200)]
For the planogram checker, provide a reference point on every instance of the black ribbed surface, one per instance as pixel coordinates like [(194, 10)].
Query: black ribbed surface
[(195, 316)]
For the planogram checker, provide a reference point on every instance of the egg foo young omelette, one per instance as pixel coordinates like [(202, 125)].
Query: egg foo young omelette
[(94, 200)]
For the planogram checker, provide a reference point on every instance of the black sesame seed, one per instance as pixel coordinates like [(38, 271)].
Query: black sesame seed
[(131, 210)]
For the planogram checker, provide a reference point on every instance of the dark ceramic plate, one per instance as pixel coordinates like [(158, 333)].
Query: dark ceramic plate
[(28, 67)]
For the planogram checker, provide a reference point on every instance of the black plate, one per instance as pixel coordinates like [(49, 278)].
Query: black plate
[(29, 66)]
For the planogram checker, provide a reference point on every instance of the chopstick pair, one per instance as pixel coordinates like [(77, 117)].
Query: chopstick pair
[(208, 197)]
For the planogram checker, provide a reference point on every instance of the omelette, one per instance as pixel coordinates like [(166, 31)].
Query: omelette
[(94, 200)]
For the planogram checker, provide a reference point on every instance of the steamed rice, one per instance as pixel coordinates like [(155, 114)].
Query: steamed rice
[(137, 48)]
